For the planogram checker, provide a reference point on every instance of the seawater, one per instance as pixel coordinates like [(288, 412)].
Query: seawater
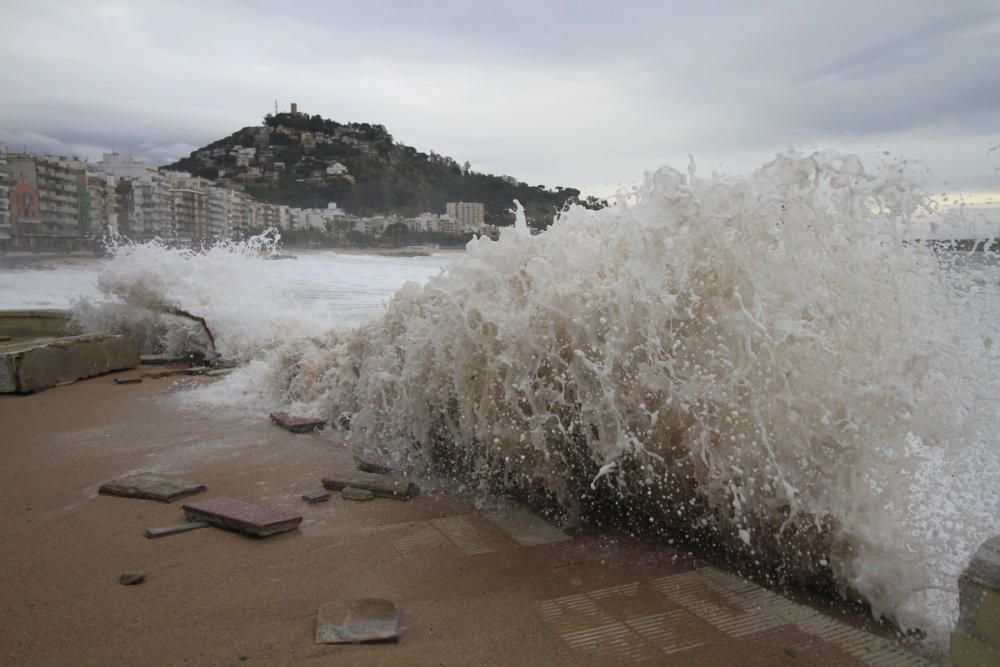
[(765, 360)]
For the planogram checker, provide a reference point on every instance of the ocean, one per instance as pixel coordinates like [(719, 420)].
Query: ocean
[(762, 361)]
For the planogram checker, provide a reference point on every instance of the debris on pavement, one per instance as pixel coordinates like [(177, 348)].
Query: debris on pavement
[(314, 497), (152, 533), (380, 485), (242, 517), (150, 486), (296, 424), (354, 493), (129, 578), (372, 462), (368, 620)]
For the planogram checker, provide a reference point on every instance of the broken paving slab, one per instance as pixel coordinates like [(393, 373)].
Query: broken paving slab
[(153, 533), (314, 497), (150, 486), (297, 424), (352, 493), (364, 621), (243, 517), (381, 485), (372, 462), (39, 364)]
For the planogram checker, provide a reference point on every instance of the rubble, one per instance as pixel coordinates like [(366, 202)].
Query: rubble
[(129, 578), (380, 485), (152, 533), (150, 486), (243, 517), (314, 497), (361, 621), (296, 424), (354, 493), (372, 462)]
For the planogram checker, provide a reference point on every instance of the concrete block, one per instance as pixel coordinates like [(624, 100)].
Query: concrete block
[(39, 364)]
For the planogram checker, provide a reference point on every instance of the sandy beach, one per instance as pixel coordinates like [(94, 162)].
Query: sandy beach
[(469, 592)]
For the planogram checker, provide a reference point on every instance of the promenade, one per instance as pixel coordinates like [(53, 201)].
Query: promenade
[(488, 585)]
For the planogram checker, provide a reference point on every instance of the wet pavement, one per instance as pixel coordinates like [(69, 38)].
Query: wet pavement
[(476, 582)]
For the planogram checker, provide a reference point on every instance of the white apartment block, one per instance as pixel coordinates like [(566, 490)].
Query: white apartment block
[(469, 216)]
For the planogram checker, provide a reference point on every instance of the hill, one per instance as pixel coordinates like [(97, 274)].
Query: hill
[(308, 161)]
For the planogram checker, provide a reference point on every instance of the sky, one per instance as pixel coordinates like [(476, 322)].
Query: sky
[(575, 94)]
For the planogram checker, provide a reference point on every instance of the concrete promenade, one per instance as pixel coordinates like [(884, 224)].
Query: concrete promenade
[(492, 585)]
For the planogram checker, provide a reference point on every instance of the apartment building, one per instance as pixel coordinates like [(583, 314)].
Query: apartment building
[(5, 228), (468, 216)]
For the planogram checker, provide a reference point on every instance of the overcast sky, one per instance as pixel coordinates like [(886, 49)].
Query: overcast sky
[(579, 94)]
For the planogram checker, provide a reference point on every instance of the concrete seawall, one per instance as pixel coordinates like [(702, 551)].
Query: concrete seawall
[(42, 348)]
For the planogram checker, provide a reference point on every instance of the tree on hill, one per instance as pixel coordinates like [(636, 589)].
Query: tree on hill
[(383, 176)]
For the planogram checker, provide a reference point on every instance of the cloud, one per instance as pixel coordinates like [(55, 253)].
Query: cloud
[(580, 94)]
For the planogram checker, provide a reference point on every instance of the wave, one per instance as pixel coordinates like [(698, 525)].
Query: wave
[(764, 360)]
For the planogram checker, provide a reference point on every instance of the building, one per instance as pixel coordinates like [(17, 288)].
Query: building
[(5, 228), (468, 216)]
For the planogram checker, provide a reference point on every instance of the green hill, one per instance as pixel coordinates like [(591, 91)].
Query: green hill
[(308, 161)]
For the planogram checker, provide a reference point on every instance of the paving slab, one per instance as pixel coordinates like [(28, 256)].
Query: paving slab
[(153, 533), (525, 527), (243, 517), (314, 497), (297, 424), (382, 486), (361, 621), (150, 486), (352, 493)]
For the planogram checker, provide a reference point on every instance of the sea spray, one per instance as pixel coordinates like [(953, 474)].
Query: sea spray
[(765, 359), (208, 301)]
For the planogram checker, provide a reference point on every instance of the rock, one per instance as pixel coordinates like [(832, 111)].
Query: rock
[(352, 493), (152, 533), (153, 487), (129, 578), (380, 485), (128, 380), (357, 622), (232, 514), (296, 424), (314, 497)]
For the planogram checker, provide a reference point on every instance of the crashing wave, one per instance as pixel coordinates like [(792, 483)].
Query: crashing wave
[(764, 359)]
